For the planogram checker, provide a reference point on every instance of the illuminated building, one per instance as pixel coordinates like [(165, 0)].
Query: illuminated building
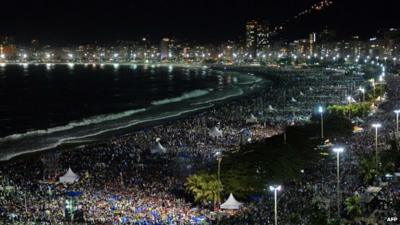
[(263, 35), (251, 38), (7, 47), (391, 40), (312, 39), (257, 37), (164, 48)]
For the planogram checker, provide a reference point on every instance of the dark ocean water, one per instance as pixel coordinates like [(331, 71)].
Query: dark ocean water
[(44, 106)]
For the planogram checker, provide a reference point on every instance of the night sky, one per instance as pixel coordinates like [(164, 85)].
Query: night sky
[(202, 20)]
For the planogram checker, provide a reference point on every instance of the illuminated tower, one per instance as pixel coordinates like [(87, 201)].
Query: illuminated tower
[(312, 39), (263, 35), (164, 48), (251, 38)]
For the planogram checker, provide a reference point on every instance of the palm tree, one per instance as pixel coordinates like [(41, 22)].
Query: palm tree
[(203, 187), (194, 185), (353, 206)]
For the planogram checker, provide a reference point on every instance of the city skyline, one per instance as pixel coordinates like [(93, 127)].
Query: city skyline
[(204, 21)]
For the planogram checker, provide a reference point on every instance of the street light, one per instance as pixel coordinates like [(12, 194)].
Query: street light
[(338, 150), (275, 189), (363, 92), (376, 126), (218, 155), (349, 100), (373, 85), (397, 119), (321, 112), (115, 57)]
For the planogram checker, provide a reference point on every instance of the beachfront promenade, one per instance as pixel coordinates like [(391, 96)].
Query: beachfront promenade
[(139, 178)]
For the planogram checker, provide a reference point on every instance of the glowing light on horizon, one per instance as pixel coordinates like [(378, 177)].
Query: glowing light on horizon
[(48, 66)]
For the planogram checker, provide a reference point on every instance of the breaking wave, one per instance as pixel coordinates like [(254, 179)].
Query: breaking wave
[(74, 124), (184, 96), (8, 156)]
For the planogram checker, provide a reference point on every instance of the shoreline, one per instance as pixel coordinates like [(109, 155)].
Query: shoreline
[(134, 129), (127, 167), (182, 65), (130, 129)]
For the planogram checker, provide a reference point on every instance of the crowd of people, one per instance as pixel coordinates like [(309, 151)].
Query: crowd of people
[(317, 186), (123, 181)]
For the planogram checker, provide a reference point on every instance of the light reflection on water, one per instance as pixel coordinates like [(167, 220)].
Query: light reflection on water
[(51, 97)]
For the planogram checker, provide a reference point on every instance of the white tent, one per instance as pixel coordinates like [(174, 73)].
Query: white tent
[(270, 108), (372, 189), (231, 203), (301, 93), (158, 148), (251, 119), (293, 100), (215, 132), (350, 99), (69, 178)]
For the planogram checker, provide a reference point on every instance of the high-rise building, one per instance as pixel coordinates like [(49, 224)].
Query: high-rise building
[(251, 38), (391, 40), (257, 36), (263, 35), (8, 50), (164, 48), (311, 40)]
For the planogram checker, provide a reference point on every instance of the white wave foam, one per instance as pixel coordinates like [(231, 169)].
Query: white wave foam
[(69, 139), (239, 92), (187, 95), (253, 81), (71, 125)]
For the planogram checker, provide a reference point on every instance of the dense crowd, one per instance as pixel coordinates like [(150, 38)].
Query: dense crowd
[(317, 185), (123, 182)]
